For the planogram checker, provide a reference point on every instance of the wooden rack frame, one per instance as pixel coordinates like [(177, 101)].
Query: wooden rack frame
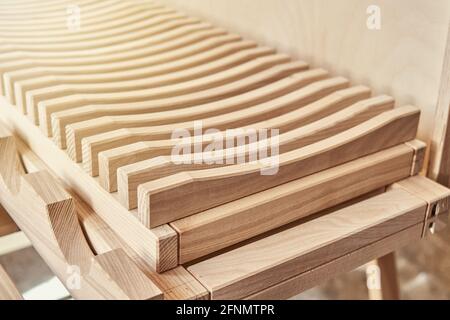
[(102, 124)]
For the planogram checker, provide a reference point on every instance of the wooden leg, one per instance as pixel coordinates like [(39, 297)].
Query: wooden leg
[(382, 279)]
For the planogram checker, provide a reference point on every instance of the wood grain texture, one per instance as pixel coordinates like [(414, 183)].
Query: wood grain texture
[(46, 213), (144, 241), (118, 97), (403, 59), (175, 284), (239, 118), (346, 263), (21, 70), (420, 149), (111, 160), (305, 134), (225, 225), (8, 290), (90, 149), (440, 151), (234, 53), (308, 245), (177, 196), (7, 225), (208, 43)]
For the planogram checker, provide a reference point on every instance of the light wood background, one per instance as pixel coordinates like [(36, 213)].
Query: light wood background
[(403, 59)]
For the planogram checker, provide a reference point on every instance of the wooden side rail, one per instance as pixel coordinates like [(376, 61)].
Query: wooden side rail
[(46, 213), (8, 290), (302, 253)]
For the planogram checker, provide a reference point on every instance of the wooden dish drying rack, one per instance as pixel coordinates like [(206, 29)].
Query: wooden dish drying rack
[(85, 144)]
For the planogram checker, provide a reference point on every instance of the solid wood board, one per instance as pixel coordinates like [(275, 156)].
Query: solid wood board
[(177, 196), (350, 261), (308, 245), (229, 224)]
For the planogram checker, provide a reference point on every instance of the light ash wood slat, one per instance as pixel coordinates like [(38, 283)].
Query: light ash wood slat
[(145, 131), (175, 284), (152, 246), (90, 15), (198, 104), (89, 56), (11, 15), (28, 69), (121, 18), (242, 71), (244, 85), (8, 290), (233, 54), (7, 225), (131, 31), (181, 195), (111, 160), (319, 275), (139, 22), (44, 7), (152, 26), (308, 245), (187, 49), (210, 44), (234, 222), (133, 175)]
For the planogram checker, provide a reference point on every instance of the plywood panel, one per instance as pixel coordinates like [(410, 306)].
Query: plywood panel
[(403, 59)]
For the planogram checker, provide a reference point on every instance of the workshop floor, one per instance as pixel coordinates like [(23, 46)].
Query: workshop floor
[(423, 269)]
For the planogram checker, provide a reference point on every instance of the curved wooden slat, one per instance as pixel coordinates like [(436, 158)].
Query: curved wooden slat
[(134, 23), (222, 78), (231, 55), (214, 42), (155, 25), (111, 160), (131, 176), (193, 104), (21, 66), (79, 131), (93, 9), (181, 195), (127, 69), (229, 224), (119, 52), (247, 84), (121, 18)]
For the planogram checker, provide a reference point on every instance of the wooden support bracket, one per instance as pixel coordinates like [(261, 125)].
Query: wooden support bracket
[(46, 213)]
